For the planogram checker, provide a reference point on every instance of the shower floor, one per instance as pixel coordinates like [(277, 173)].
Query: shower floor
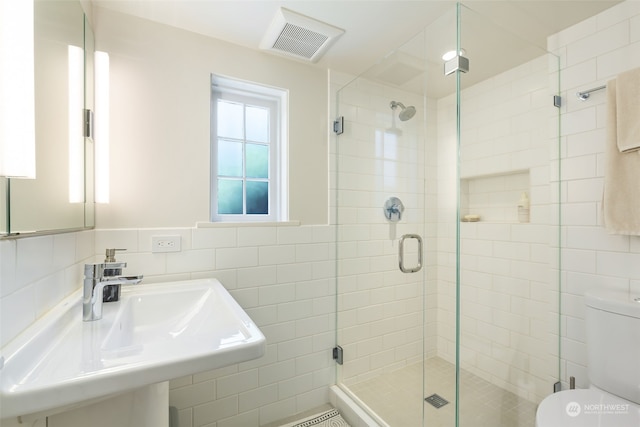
[(393, 397)]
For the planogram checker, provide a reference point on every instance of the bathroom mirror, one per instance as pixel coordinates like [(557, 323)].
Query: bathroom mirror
[(61, 196)]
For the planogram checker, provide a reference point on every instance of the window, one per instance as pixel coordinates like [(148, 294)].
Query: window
[(248, 149)]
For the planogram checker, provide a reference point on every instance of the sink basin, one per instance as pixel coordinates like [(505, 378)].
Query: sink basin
[(154, 333)]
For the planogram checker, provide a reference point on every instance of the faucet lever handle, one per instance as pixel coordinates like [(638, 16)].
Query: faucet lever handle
[(96, 270), (112, 265)]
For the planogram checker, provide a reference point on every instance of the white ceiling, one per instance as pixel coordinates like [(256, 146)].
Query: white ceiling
[(374, 28)]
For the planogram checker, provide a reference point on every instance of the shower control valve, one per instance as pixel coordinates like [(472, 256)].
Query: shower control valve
[(393, 209)]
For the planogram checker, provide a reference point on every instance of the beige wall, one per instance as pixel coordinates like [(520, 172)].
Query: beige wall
[(160, 122)]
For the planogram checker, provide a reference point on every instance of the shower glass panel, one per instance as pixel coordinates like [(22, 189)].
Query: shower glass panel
[(471, 338), (387, 318), (508, 323)]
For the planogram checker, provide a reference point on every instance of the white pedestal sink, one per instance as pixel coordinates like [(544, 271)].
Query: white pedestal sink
[(154, 333)]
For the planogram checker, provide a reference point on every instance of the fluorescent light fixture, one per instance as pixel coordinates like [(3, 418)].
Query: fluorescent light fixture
[(76, 134), (101, 136), (452, 54), (17, 94)]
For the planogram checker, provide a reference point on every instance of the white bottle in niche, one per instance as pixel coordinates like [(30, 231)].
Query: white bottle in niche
[(523, 208)]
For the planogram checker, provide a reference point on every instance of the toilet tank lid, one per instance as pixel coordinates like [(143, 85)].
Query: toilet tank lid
[(615, 302)]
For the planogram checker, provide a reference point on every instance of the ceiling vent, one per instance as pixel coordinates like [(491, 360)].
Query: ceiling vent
[(299, 36)]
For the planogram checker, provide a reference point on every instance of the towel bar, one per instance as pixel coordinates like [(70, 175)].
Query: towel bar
[(584, 95)]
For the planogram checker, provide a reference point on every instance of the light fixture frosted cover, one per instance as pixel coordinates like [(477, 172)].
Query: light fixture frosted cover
[(17, 94), (102, 126), (76, 110)]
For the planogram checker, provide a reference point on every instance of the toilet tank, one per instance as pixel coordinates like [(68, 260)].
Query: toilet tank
[(613, 343)]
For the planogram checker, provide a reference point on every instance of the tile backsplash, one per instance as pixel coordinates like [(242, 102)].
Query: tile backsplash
[(36, 273)]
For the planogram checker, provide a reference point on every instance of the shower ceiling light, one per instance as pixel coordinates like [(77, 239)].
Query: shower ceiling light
[(452, 54), (75, 87)]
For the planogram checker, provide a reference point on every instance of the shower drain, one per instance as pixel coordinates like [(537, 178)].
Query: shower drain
[(436, 401)]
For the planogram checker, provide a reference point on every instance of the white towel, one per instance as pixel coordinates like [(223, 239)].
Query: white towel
[(621, 199), (628, 110)]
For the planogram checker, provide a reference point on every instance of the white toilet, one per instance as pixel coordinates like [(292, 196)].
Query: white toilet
[(613, 352)]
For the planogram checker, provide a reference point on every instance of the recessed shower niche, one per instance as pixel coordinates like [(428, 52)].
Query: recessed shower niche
[(494, 198)]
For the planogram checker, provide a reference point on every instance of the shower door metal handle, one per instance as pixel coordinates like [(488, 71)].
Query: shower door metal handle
[(401, 254)]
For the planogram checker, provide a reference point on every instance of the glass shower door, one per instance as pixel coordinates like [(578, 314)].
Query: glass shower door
[(380, 197), (470, 339), (386, 217), (507, 289)]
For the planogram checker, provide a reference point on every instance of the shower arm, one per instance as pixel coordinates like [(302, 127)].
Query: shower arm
[(395, 104)]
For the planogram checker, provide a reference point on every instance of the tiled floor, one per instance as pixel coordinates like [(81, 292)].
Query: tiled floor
[(398, 399)]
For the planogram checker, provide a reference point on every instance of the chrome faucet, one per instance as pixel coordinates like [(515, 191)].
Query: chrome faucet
[(94, 282)]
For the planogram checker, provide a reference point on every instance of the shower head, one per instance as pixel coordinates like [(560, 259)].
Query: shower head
[(406, 113)]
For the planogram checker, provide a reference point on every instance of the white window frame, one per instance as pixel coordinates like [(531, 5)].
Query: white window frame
[(276, 100)]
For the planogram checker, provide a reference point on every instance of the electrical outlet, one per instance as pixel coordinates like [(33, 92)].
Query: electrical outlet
[(165, 244)]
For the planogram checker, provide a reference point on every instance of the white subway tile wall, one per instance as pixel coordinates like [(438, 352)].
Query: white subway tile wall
[(507, 309), (591, 53), (36, 273)]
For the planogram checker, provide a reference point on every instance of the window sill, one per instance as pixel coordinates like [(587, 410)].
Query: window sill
[(247, 224)]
